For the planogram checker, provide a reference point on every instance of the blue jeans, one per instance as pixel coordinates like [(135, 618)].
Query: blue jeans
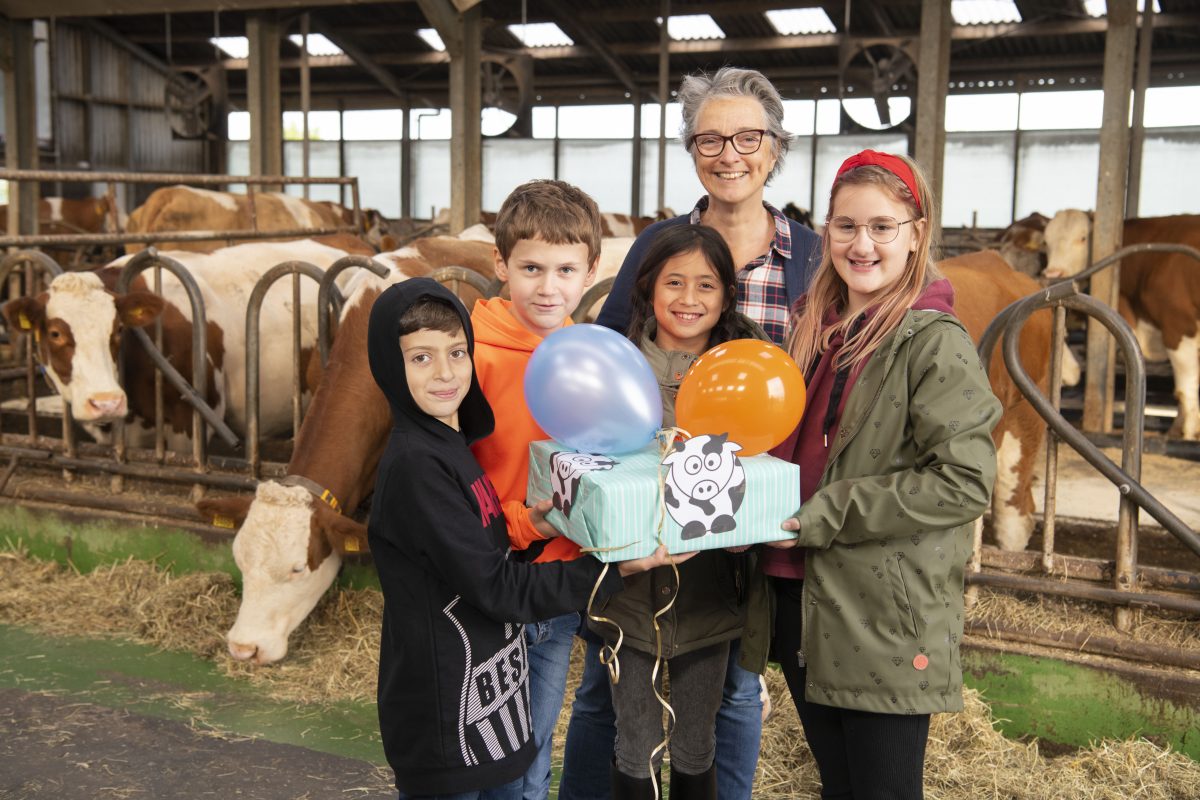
[(549, 645), (589, 749), (509, 791)]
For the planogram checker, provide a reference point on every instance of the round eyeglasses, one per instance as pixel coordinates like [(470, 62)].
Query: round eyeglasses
[(744, 142), (882, 230)]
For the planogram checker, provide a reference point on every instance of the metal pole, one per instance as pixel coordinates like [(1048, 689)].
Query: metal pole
[(635, 181), (1138, 132), (405, 159), (305, 96), (664, 94)]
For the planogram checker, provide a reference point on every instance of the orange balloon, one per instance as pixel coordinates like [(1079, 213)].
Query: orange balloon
[(747, 388)]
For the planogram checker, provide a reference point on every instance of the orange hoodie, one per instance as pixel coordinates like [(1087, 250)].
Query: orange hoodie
[(502, 351)]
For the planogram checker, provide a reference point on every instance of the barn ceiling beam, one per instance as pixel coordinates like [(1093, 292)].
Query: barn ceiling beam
[(143, 55), (37, 9), (648, 12), (758, 44), (565, 21), (359, 56)]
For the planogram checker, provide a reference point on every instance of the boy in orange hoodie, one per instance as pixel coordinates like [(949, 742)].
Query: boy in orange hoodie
[(547, 248)]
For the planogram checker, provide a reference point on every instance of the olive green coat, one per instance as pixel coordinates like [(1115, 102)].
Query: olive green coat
[(889, 526)]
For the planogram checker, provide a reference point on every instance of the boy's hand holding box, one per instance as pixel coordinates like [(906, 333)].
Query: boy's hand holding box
[(612, 505)]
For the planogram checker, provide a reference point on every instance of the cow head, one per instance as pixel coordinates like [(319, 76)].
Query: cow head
[(702, 466), (288, 548), (1067, 238), (76, 327)]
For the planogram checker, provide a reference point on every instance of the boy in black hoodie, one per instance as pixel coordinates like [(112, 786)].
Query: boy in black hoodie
[(453, 677)]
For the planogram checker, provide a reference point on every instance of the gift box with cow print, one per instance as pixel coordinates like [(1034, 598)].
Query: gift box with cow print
[(709, 497)]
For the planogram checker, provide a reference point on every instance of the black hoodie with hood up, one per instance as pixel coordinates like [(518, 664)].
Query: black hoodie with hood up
[(453, 674)]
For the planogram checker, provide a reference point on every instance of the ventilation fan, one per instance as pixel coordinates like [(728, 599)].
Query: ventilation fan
[(193, 99), (879, 72), (507, 85)]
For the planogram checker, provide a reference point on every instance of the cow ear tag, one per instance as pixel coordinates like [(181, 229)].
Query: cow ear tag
[(350, 544), (223, 522), (23, 321)]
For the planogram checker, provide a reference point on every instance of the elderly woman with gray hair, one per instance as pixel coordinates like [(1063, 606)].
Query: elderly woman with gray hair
[(733, 129)]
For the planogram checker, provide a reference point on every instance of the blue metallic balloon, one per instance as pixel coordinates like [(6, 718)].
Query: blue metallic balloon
[(590, 389)]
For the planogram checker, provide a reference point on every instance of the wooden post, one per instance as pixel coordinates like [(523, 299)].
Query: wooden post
[(20, 126), (460, 24), (1110, 206), (933, 73), (262, 96)]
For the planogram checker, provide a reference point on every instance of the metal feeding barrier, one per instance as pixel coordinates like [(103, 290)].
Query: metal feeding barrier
[(199, 468), (1123, 583), (117, 237)]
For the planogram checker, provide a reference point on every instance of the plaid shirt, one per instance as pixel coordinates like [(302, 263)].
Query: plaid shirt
[(762, 295)]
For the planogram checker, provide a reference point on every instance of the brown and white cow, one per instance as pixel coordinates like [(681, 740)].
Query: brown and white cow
[(75, 325), (1159, 295), (984, 284), (1023, 244), (290, 542), (186, 208), (67, 215)]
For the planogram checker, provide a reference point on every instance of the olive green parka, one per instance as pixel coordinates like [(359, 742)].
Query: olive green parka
[(889, 527)]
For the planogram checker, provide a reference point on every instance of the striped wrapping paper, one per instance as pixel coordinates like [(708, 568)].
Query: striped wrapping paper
[(612, 503)]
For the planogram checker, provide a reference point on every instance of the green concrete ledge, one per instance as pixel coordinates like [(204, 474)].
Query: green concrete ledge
[(88, 542), (1073, 703)]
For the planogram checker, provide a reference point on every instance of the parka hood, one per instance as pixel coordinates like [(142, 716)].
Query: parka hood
[(938, 296), (387, 363)]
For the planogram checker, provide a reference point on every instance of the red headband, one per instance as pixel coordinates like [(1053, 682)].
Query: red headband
[(887, 161)]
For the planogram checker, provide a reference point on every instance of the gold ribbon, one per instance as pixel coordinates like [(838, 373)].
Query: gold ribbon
[(666, 442), (608, 654)]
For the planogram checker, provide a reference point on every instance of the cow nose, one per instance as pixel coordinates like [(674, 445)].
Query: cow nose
[(705, 489), (107, 404), (242, 652)]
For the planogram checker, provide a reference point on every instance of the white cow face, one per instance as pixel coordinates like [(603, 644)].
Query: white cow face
[(703, 467), (76, 330), (566, 469), (1067, 243), (289, 550)]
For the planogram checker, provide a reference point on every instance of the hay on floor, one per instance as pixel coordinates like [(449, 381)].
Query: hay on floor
[(334, 657)]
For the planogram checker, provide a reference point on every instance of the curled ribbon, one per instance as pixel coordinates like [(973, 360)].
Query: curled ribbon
[(608, 654)]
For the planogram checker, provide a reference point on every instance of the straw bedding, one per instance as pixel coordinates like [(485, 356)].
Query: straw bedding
[(334, 657)]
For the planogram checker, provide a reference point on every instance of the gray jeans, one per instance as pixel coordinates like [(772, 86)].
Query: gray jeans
[(696, 682)]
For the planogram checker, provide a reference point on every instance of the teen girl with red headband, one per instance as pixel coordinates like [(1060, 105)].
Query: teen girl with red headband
[(896, 462)]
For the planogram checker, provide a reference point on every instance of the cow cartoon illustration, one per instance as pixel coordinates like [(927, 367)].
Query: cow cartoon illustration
[(705, 485), (566, 467)]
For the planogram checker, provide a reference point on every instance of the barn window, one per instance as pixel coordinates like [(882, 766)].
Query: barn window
[(432, 38), (1099, 8), (541, 34), (686, 27), (802, 21), (984, 12)]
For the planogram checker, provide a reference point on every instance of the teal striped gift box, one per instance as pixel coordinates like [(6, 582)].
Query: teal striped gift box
[(710, 498)]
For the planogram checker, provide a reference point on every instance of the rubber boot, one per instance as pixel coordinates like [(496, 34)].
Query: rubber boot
[(694, 787), (626, 787)]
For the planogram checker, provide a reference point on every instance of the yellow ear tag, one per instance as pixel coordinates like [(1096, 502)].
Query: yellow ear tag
[(351, 544), (223, 522), (24, 322)]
